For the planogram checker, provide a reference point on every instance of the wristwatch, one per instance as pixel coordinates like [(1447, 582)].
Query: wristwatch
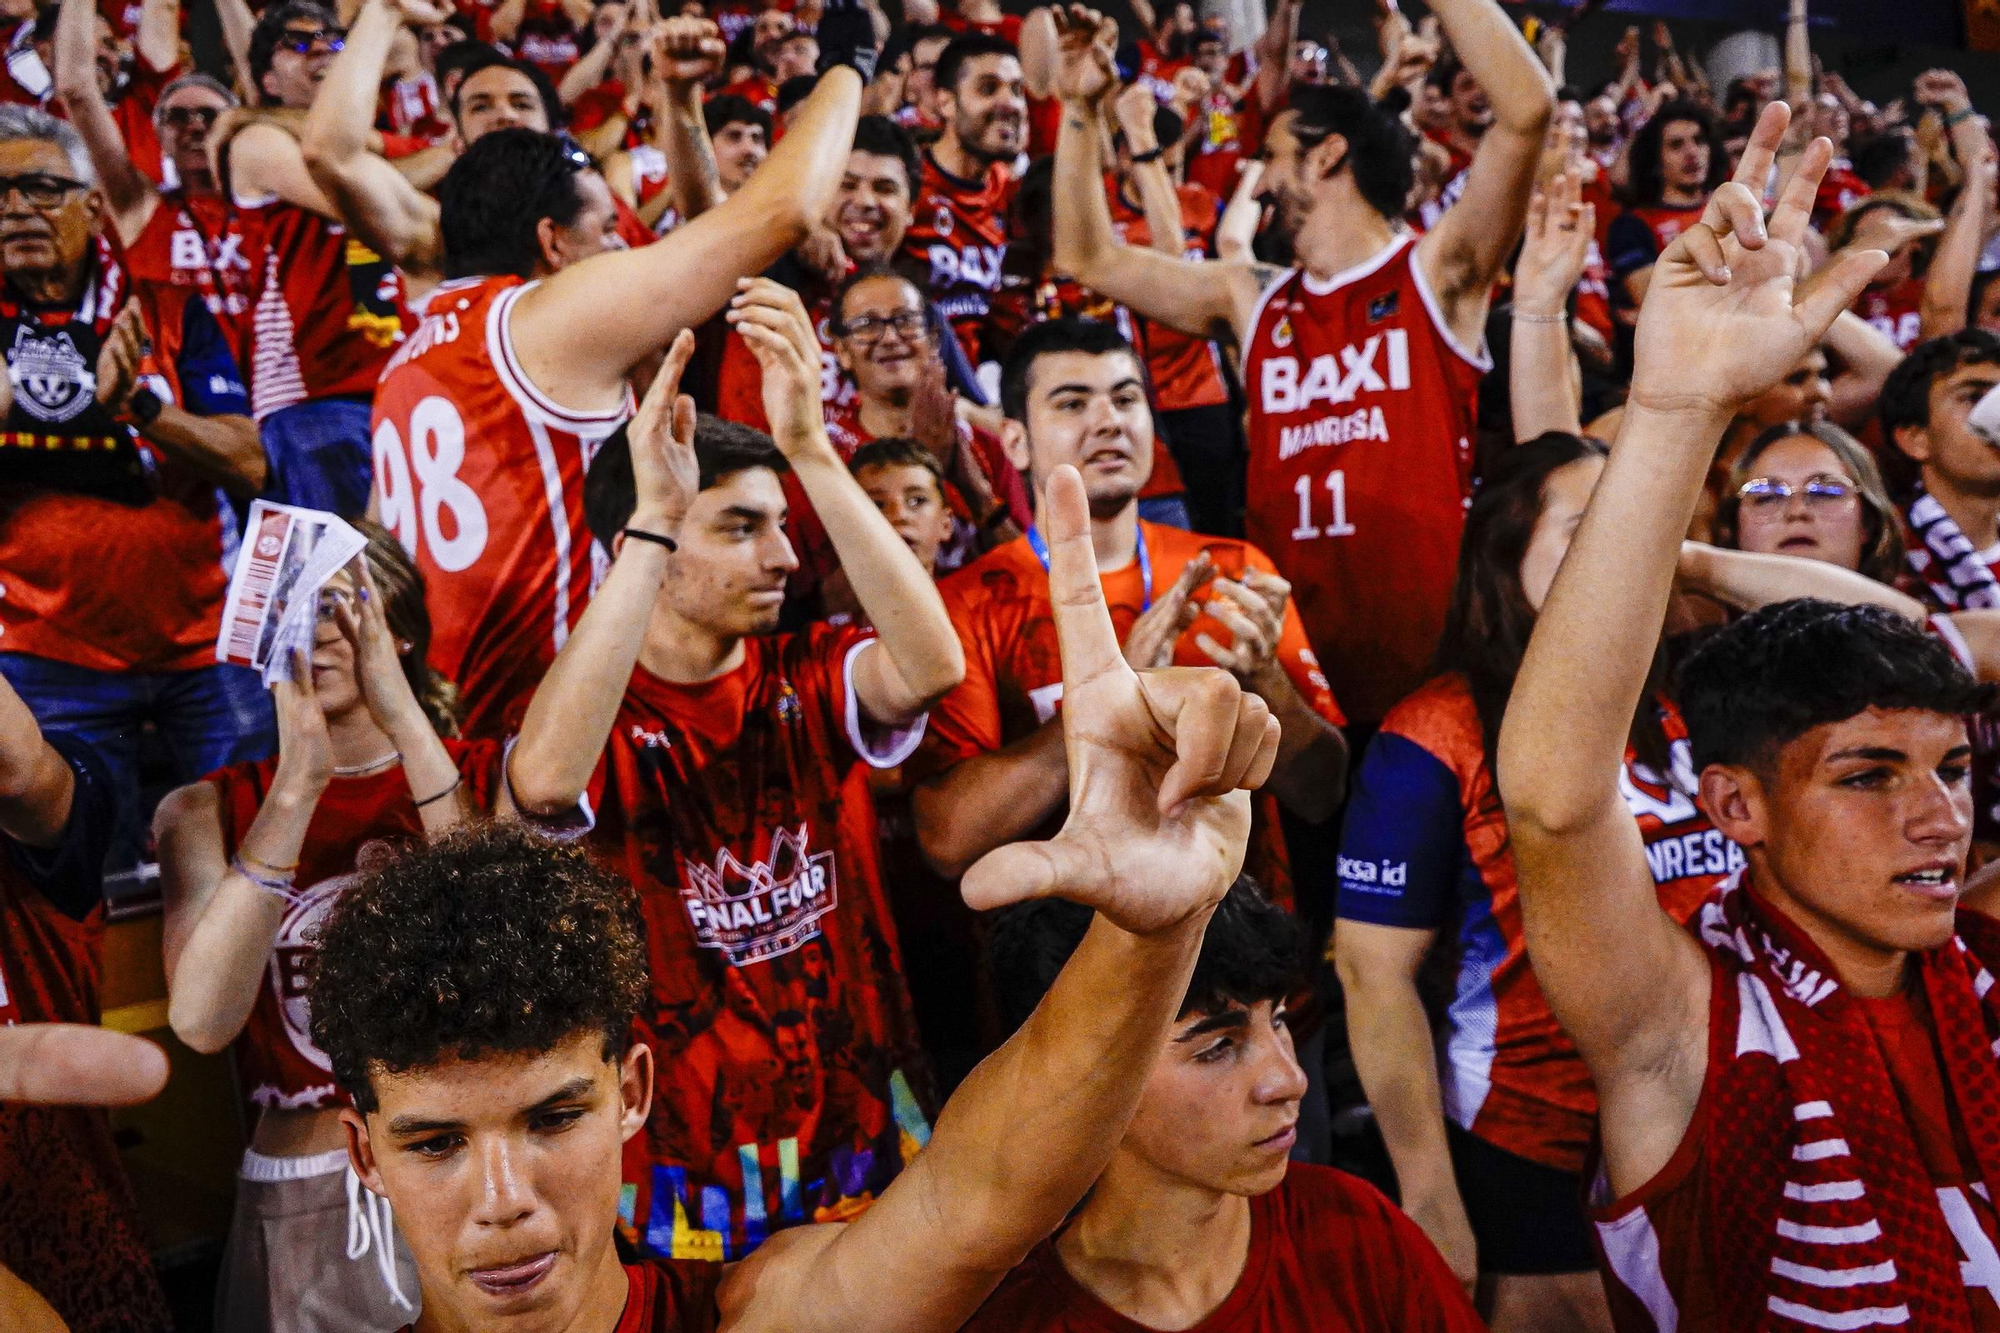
[(144, 406)]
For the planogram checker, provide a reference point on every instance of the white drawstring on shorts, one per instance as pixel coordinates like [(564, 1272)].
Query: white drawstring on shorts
[(371, 1225)]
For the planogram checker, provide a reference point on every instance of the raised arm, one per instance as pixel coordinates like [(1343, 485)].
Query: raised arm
[(1236, 233), (157, 39), (1543, 387), (1948, 285), (1867, 356), (683, 57), (131, 196), (237, 22), (1135, 108), (570, 716), (391, 216), (1035, 1124), (1274, 54), (916, 657), (1465, 252), (1205, 300), (1748, 580), (1720, 326), (578, 333)]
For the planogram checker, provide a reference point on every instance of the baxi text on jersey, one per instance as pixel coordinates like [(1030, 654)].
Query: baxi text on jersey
[(1364, 423), (1381, 877), (1382, 364)]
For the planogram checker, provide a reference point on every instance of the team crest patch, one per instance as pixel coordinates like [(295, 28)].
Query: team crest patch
[(51, 380), (1282, 335), (943, 222), (1384, 306), (765, 909)]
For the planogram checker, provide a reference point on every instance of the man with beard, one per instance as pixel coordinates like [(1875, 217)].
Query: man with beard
[(958, 231), (1361, 363)]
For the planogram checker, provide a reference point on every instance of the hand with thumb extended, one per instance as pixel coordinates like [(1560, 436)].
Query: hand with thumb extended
[(1161, 764)]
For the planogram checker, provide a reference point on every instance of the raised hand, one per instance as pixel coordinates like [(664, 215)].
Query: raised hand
[(666, 476), (1944, 90), (1887, 230), (687, 50), (779, 333), (378, 663), (1149, 644), (1160, 765), (75, 1064), (1555, 248), (422, 13), (1086, 54), (1730, 310), (305, 750), (118, 359), (1134, 109)]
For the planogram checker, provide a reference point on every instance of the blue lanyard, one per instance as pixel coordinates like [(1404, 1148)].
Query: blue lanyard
[(1041, 549)]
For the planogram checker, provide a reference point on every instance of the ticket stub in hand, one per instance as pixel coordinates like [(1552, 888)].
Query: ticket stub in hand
[(288, 557)]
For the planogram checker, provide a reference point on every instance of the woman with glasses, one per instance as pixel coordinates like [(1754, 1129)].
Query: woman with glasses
[(1810, 489), (251, 859)]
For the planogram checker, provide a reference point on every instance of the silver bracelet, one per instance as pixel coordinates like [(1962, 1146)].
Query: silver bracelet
[(1526, 318)]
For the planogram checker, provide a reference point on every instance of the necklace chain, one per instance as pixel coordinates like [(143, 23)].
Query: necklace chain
[(356, 770)]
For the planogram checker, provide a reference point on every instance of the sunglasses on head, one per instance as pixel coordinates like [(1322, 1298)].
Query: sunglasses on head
[(301, 42)]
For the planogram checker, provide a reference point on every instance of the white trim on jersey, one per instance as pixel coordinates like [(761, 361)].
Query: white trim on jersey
[(888, 746), (1263, 301), (534, 404), (1325, 286), (1481, 360), (552, 495), (1945, 629), (1632, 1249)]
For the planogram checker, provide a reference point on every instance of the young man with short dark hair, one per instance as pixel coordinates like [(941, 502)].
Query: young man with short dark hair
[(1799, 1103), (1201, 1216), (1955, 517), (476, 999)]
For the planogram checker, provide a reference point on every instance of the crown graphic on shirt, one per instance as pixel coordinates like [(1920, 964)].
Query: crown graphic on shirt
[(729, 878)]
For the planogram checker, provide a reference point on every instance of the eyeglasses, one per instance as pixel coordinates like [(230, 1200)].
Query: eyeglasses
[(180, 117), (299, 41), (40, 189), (574, 153), (910, 326), (1822, 492)]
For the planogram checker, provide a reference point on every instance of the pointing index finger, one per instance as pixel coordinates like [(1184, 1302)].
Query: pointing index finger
[(1083, 622)]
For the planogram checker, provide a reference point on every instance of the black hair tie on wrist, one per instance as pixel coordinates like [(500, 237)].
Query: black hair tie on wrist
[(637, 534)]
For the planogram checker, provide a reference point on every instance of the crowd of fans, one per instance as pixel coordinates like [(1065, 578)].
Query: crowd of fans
[(985, 643)]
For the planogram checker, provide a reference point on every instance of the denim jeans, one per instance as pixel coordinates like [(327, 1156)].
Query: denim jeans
[(320, 455), (207, 718)]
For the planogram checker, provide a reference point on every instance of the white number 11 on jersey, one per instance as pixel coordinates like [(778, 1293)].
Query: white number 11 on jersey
[(1336, 490)]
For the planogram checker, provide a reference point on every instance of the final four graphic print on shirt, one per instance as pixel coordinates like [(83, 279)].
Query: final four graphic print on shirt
[(790, 1086)]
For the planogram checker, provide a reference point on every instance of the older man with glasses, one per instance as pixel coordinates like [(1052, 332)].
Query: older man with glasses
[(112, 541)]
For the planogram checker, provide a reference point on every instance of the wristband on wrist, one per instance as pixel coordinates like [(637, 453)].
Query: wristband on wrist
[(278, 883), (1152, 154), (1959, 117), (658, 539), (1526, 317), (456, 782), (144, 406)]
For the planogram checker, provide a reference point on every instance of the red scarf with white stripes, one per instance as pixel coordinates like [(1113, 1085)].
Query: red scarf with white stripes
[(1825, 1216)]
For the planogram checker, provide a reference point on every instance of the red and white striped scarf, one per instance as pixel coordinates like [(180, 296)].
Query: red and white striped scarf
[(1824, 1214)]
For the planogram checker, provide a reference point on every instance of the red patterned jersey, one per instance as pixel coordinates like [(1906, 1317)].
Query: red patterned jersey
[(1328, 1254), (1839, 190), (1013, 666), (329, 311), (1897, 310), (1425, 848), (480, 475), (67, 1222), (1360, 437), (358, 823), (1186, 372), (958, 236), (546, 38), (791, 1084), (413, 108), (1229, 131), (198, 243)]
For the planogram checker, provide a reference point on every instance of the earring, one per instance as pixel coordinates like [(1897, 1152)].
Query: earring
[(403, 646)]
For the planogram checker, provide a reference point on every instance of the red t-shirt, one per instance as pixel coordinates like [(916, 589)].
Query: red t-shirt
[(792, 1087), (1007, 27), (1328, 1254), (25, 80), (1013, 664), (758, 90), (1186, 371), (547, 38), (480, 475), (67, 1222), (1898, 311), (198, 243), (1230, 131), (958, 235), (739, 382), (357, 824), (1360, 434)]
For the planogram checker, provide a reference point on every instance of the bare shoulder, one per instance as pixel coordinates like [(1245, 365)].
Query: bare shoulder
[(762, 1292)]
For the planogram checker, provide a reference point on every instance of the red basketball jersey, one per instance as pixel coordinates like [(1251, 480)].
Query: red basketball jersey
[(1898, 311), (1361, 415), (480, 475), (329, 311), (358, 823), (958, 234)]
